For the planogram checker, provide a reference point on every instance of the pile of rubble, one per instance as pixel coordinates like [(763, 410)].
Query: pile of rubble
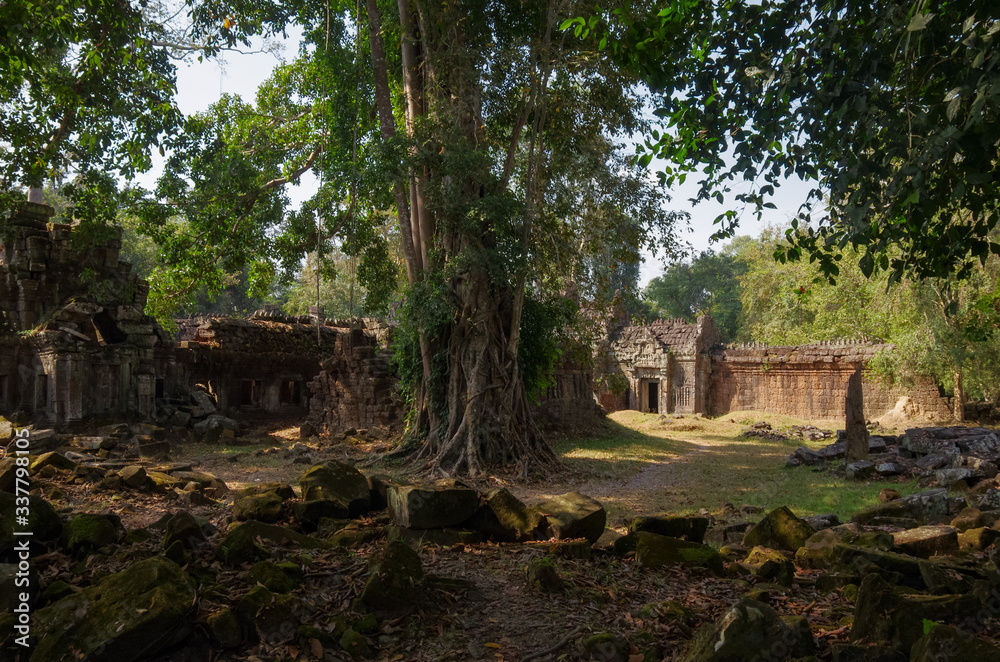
[(955, 457), (196, 412)]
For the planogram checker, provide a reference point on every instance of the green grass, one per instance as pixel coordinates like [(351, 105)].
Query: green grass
[(711, 466)]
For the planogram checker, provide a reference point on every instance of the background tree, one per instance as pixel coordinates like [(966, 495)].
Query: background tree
[(888, 110), (708, 284)]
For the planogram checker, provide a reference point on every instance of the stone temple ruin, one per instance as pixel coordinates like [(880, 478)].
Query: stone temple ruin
[(76, 345), (672, 366)]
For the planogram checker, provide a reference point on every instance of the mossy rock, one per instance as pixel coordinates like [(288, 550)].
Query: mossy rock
[(438, 505), (354, 535), (271, 617), (748, 630), (504, 518), (52, 459), (269, 575), (395, 579), (542, 575), (225, 628), (851, 559), (240, 546), (87, 532), (127, 617), (573, 515), (311, 514), (339, 482), (43, 522), (566, 549), (852, 653), (264, 507), (655, 551), (355, 644), (887, 616), (780, 529), (686, 528), (183, 528), (948, 644), (56, 591)]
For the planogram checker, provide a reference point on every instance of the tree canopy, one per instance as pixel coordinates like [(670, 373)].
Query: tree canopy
[(888, 109)]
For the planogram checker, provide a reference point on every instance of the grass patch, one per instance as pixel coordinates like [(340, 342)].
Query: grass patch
[(661, 465), (618, 449)]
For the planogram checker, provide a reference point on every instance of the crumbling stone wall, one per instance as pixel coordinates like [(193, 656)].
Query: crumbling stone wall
[(76, 341), (807, 381), (356, 387), (569, 402)]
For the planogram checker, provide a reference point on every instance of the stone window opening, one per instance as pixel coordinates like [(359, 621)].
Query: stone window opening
[(160, 388), (290, 393), (250, 392)]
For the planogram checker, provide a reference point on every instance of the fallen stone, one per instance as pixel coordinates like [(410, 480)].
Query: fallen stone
[(780, 529), (203, 480), (687, 528), (820, 522), (87, 532), (923, 507), (433, 506), (203, 402), (52, 459), (948, 477), (271, 617), (748, 630), (395, 579), (240, 544), (573, 515), (990, 500), (655, 551), (153, 449), (354, 535), (887, 617), (273, 577), (264, 503), (969, 518), (224, 628), (182, 527), (927, 541), (8, 474), (338, 482), (542, 575), (135, 477), (860, 470), (890, 469), (127, 617), (808, 457), (944, 643), (977, 540), (503, 517)]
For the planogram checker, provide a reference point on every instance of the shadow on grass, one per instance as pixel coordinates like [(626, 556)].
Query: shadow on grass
[(614, 450)]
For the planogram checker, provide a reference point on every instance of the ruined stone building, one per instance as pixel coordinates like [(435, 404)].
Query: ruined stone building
[(667, 364), (672, 366), (76, 345), (74, 340)]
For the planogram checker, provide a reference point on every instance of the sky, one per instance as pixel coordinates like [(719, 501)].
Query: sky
[(201, 84)]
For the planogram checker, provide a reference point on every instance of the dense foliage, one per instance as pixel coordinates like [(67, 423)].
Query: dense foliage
[(888, 109)]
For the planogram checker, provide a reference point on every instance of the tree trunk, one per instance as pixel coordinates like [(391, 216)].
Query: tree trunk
[(483, 415), (958, 402), (489, 419), (857, 432)]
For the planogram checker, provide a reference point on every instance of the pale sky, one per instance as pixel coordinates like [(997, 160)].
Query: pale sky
[(201, 84)]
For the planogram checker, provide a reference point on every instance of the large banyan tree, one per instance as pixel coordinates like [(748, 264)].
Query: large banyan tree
[(489, 138)]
